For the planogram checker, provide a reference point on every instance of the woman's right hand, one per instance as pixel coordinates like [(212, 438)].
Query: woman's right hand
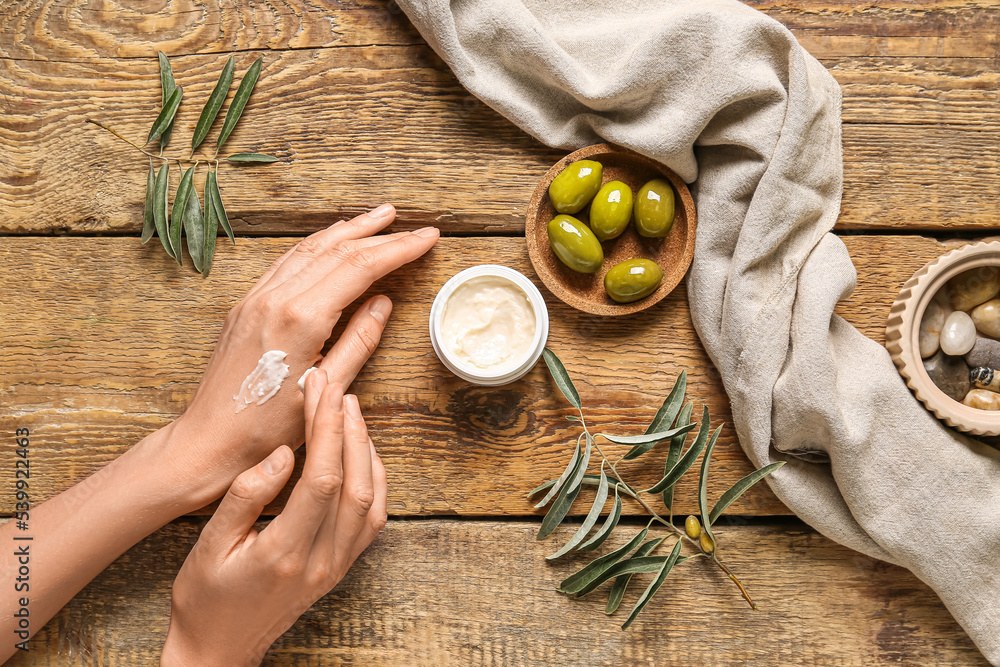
[(292, 308), (239, 590)]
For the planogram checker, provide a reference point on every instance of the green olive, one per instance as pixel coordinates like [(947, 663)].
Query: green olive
[(654, 209), (575, 245), (575, 186), (707, 543), (632, 280), (692, 527), (611, 210)]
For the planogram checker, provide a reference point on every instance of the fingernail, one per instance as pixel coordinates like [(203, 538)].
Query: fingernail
[(371, 445), (427, 232), (304, 378), (353, 407), (381, 212), (274, 463), (380, 308)]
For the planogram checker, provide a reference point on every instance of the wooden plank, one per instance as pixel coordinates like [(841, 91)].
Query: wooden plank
[(391, 123), (87, 29), (443, 592), (381, 126), (105, 341), (913, 91)]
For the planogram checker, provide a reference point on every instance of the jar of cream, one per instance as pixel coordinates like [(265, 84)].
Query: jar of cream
[(489, 325)]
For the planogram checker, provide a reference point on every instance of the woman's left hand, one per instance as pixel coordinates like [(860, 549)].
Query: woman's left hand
[(240, 589), (293, 309)]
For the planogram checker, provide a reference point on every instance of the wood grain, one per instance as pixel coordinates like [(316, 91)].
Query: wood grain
[(361, 111), (106, 339), (445, 592)]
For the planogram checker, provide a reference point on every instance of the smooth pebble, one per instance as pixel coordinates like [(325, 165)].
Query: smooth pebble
[(986, 352), (930, 327), (982, 399), (985, 378), (986, 317), (959, 333), (973, 287), (950, 374)]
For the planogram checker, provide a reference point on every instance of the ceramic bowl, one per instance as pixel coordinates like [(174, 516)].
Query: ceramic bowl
[(586, 291), (902, 334)]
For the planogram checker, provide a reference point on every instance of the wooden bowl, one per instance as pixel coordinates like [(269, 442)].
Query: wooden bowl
[(903, 331), (586, 291)]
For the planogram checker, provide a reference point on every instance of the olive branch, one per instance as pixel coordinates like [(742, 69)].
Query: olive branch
[(199, 226), (672, 423)]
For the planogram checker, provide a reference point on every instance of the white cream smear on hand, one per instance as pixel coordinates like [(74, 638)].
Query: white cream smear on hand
[(264, 381), (488, 323)]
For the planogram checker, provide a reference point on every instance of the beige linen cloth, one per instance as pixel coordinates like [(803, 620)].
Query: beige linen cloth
[(727, 98)]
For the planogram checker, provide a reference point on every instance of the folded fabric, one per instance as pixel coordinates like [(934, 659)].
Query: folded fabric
[(727, 98)]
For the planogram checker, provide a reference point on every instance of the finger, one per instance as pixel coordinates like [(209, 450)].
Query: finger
[(334, 256), (336, 537), (315, 383), (349, 280), (316, 244), (263, 280), (317, 492), (377, 516), (246, 499), (358, 342)]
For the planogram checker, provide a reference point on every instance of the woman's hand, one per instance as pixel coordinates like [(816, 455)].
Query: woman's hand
[(292, 308), (239, 590)]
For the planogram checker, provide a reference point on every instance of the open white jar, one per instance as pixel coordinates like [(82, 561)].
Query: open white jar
[(489, 324)]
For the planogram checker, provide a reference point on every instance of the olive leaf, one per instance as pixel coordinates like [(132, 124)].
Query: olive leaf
[(160, 217), (166, 116), (194, 229), (148, 225), (564, 500), (251, 158), (595, 511), (214, 104), (577, 581), (672, 422), (609, 525), (654, 585), (211, 225), (557, 486), (706, 524), (646, 439), (739, 488), (588, 480), (187, 217), (664, 417), (686, 461), (179, 210), (240, 100), (674, 453), (167, 87), (561, 378), (630, 566), (621, 582), (220, 210)]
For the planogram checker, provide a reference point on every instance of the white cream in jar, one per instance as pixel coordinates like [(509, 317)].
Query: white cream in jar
[(489, 324)]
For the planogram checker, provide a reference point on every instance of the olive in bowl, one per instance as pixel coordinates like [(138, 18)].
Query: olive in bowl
[(575, 186), (654, 209), (575, 245), (632, 280), (611, 210)]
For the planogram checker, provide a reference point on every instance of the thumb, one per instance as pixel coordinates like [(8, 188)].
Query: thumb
[(246, 499)]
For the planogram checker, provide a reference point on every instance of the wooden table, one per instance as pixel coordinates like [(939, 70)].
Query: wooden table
[(104, 340)]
